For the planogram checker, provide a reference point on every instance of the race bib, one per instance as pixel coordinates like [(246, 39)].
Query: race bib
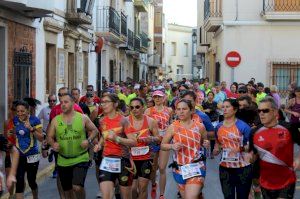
[(112, 165), (33, 158), (230, 156), (137, 151), (161, 133), (190, 170)]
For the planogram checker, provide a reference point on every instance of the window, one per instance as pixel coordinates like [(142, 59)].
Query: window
[(158, 20), (200, 35), (186, 49), (173, 48), (283, 74), (158, 47)]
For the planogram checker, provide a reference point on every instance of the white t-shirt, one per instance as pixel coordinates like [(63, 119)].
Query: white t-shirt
[(44, 115)]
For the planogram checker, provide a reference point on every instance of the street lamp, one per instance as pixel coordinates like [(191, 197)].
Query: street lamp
[(194, 51)]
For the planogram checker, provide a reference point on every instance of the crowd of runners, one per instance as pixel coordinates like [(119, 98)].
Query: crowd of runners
[(132, 131)]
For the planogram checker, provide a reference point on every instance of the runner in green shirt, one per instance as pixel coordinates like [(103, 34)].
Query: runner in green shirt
[(67, 135)]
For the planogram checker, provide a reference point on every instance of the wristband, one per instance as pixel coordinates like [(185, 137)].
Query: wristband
[(118, 139)]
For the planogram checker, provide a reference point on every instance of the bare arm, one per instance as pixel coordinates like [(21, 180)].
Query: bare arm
[(51, 136), (165, 144), (90, 128)]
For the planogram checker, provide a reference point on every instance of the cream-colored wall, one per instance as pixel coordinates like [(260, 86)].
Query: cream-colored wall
[(180, 35)]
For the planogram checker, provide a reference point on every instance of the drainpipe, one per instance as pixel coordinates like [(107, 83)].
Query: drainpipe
[(236, 10)]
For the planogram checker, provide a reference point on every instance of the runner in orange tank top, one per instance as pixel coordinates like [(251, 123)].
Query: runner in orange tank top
[(188, 136), (146, 131), (116, 140), (162, 115)]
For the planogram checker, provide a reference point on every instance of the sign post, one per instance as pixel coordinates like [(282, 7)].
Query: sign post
[(233, 59)]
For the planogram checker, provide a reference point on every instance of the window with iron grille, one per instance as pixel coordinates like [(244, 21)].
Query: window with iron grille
[(22, 66), (283, 74)]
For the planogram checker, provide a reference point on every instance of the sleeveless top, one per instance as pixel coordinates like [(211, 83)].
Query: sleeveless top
[(191, 141), (143, 132), (162, 117), (113, 149), (70, 137)]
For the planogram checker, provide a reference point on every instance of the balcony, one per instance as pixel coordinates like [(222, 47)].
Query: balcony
[(108, 24), (144, 42), (29, 8), (137, 43), (129, 45), (141, 5), (212, 15), (82, 14), (281, 10), (123, 26)]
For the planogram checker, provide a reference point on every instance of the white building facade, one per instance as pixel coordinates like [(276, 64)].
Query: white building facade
[(179, 52), (264, 32)]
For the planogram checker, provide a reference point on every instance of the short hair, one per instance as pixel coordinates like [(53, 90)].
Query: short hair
[(138, 99), (190, 93), (75, 89), (188, 102), (245, 97), (90, 86), (274, 88), (52, 95), (210, 92), (270, 100), (70, 95), (63, 88), (22, 103), (233, 102)]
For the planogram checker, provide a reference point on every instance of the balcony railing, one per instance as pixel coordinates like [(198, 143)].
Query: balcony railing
[(108, 20), (144, 40), (137, 43), (130, 41), (141, 5), (281, 6), (123, 24), (212, 8)]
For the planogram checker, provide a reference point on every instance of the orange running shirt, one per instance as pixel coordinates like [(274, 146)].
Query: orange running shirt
[(233, 138), (143, 132), (112, 148), (162, 117), (190, 139)]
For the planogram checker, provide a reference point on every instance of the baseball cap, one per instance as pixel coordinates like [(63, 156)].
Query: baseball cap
[(158, 93)]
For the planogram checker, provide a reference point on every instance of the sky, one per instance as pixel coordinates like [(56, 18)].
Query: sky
[(182, 12)]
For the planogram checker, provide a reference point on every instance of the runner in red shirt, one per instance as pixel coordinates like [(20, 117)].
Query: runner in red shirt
[(273, 143), (146, 131), (90, 88), (115, 140)]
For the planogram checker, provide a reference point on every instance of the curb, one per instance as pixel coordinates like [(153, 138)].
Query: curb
[(39, 178)]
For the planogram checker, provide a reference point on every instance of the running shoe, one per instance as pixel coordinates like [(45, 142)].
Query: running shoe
[(99, 194), (153, 191)]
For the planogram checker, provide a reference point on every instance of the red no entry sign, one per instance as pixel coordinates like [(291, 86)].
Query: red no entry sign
[(233, 59)]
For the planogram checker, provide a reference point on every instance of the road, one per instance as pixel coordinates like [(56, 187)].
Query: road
[(47, 188)]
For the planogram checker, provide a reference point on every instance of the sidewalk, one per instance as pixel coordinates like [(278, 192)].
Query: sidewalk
[(45, 170)]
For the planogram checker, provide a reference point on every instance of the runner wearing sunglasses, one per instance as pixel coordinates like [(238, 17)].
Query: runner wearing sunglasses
[(273, 144), (146, 131)]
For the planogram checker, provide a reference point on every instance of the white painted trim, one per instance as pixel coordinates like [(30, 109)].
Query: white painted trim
[(259, 23), (5, 69)]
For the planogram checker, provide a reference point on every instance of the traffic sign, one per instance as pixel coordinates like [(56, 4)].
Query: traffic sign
[(233, 59)]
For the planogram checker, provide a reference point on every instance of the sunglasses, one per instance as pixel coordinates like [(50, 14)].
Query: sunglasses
[(263, 110), (51, 100), (135, 107), (242, 91), (89, 96)]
